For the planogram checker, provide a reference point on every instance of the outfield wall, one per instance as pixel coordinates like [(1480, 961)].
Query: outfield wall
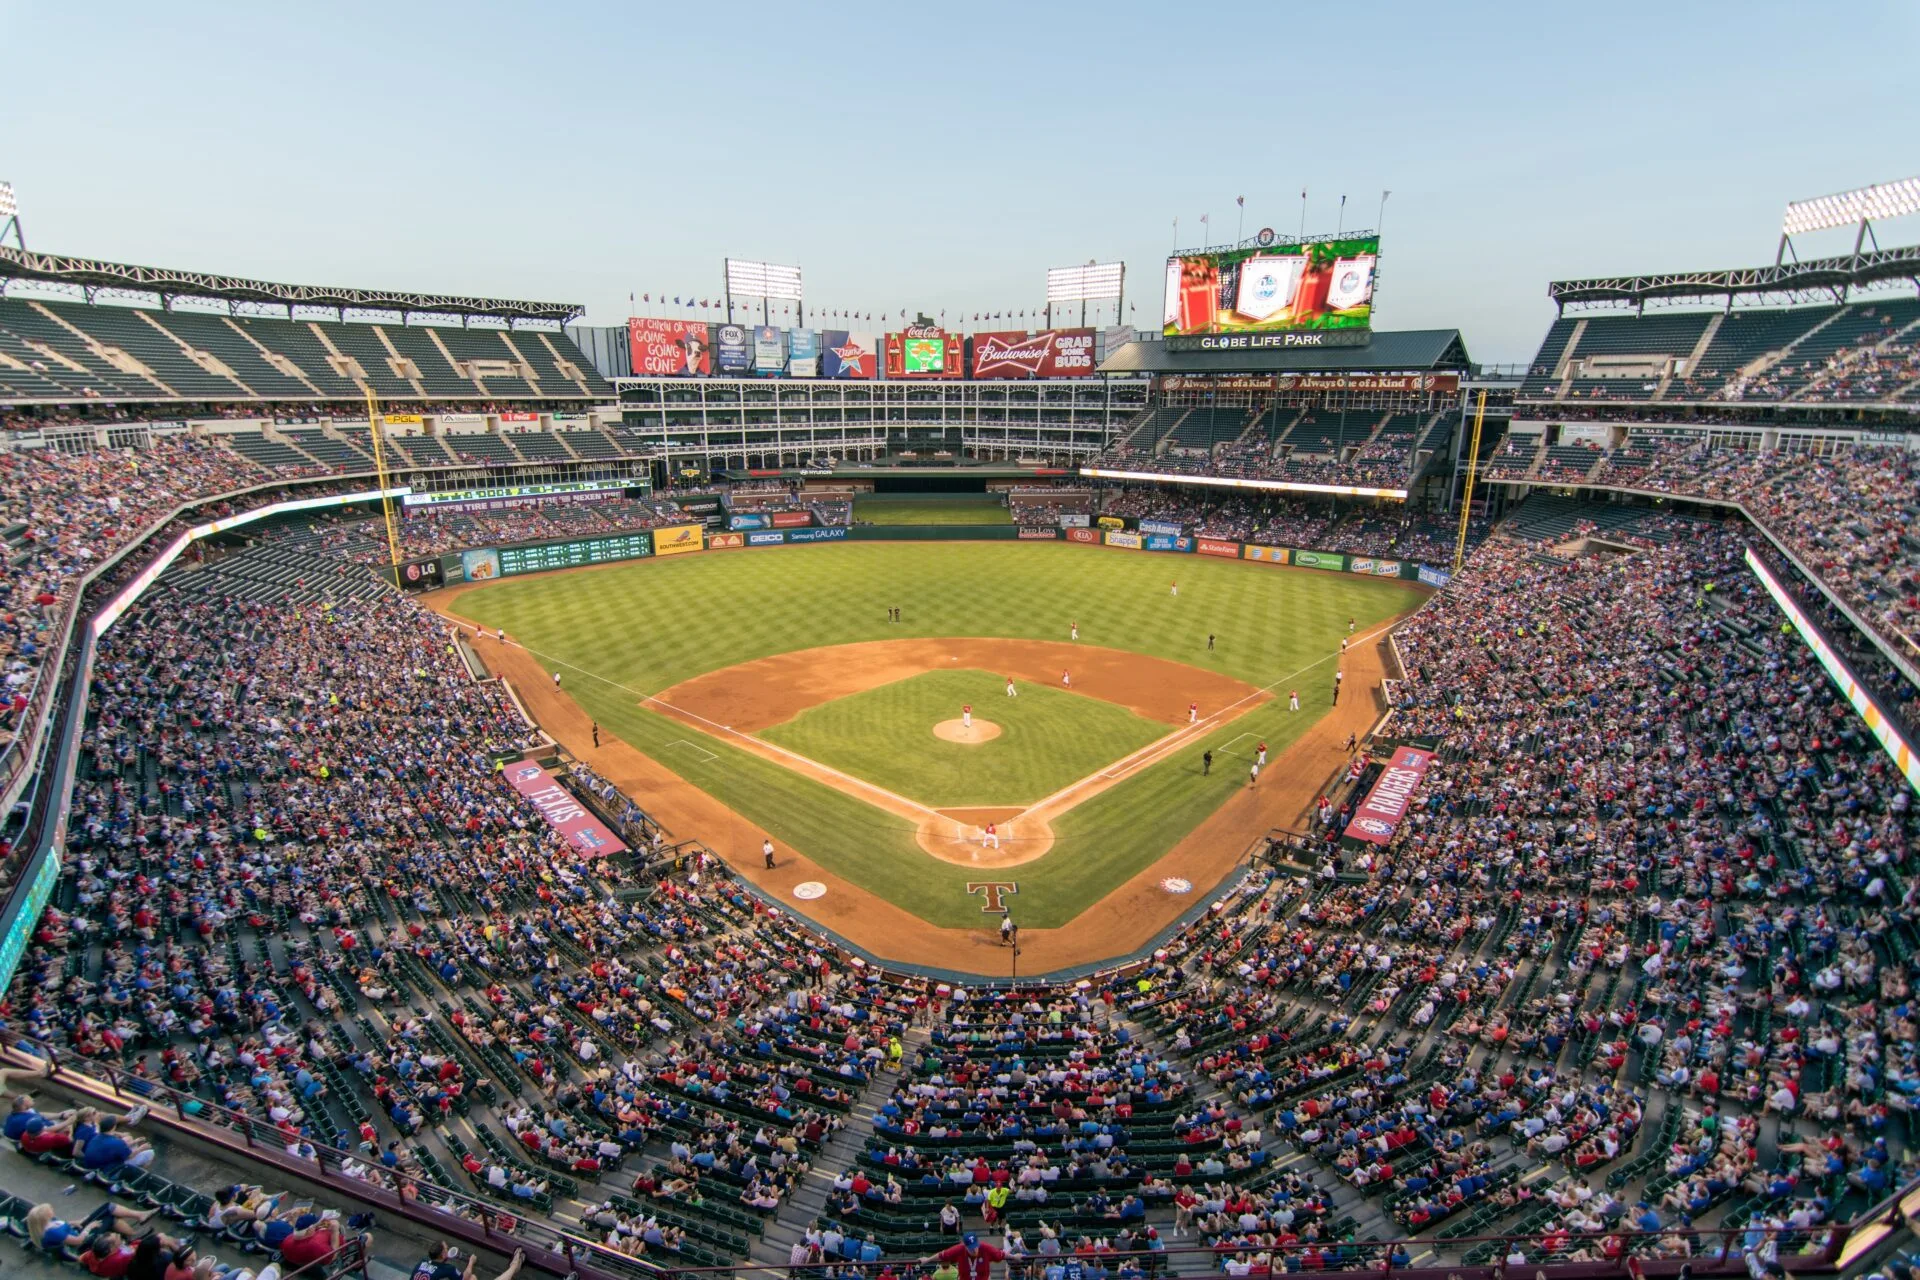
[(485, 564)]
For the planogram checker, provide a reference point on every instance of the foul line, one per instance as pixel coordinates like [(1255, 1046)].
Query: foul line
[(694, 746), (1153, 750)]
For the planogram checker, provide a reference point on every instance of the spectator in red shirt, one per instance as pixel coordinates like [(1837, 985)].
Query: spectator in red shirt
[(974, 1259)]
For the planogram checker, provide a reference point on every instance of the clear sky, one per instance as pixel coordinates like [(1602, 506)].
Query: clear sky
[(938, 157)]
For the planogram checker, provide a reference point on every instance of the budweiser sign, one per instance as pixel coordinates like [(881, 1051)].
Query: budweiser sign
[(1243, 382), (1057, 353), (1424, 383)]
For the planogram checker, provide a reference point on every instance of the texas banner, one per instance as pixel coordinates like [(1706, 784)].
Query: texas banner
[(562, 810), (1057, 353), (844, 354)]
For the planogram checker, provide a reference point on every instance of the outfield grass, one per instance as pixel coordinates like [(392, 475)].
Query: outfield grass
[(962, 508), (635, 629), (1048, 738)]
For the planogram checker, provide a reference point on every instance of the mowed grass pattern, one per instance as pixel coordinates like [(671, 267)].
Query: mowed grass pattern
[(635, 629), (1048, 738), (940, 509)]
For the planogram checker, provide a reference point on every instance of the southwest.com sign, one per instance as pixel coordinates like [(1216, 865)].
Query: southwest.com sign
[(1234, 482)]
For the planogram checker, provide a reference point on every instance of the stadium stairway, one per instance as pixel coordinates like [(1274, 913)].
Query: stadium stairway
[(799, 1211)]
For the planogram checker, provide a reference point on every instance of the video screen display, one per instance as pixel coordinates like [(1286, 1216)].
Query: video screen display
[(924, 355), (1319, 284)]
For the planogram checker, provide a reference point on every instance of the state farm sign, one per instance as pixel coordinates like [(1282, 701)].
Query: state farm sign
[(1057, 353)]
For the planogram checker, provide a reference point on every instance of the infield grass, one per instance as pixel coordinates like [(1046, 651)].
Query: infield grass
[(628, 630), (963, 508), (1048, 738)]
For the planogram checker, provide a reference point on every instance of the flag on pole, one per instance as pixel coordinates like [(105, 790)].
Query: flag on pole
[(1241, 201)]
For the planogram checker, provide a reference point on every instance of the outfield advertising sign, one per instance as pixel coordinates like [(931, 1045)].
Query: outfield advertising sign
[(1434, 577), (791, 519), (772, 539), (678, 539), (1167, 542), (1031, 534), (834, 534), (717, 541), (747, 522), (1215, 547), (1111, 522), (1378, 568), (1162, 526), (1075, 519), (1122, 538), (1269, 555), (1320, 560), (1083, 536)]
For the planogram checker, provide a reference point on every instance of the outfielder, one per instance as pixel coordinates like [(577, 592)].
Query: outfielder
[(1011, 691), (1293, 700), (990, 838), (1073, 631), (966, 716), (1176, 588), (1262, 757)]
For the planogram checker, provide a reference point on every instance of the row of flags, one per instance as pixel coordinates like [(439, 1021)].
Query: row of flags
[(831, 313)]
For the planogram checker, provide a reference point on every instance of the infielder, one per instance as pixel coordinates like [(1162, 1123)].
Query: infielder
[(966, 716), (1193, 713), (1011, 691), (1343, 644), (1293, 700), (1262, 757), (1253, 774), (1066, 678), (990, 838)]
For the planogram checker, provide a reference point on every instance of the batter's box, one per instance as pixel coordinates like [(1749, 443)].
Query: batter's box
[(706, 756)]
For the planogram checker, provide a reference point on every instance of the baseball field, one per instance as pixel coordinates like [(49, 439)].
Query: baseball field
[(771, 685)]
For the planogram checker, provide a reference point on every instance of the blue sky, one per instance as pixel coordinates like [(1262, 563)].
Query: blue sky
[(943, 156)]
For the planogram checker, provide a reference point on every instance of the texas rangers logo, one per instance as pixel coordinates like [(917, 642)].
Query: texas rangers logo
[(1373, 826)]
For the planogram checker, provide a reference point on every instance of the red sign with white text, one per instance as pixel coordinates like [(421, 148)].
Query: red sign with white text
[(791, 519), (1215, 547), (669, 348), (563, 810), (1057, 353), (1379, 815), (1083, 535)]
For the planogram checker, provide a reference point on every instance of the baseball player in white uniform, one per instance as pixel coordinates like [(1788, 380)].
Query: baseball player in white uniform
[(1011, 691), (966, 716), (1073, 631), (1176, 588), (990, 838), (1261, 758), (1066, 678), (1193, 713), (1293, 700)]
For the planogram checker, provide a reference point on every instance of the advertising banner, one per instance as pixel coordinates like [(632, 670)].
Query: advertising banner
[(678, 539), (844, 354), (719, 541), (669, 348), (1056, 353), (1430, 383), (1271, 555), (1215, 547), (1111, 522), (1030, 534), (924, 351), (698, 506), (769, 351), (1379, 815), (1162, 526), (1121, 538), (1086, 536), (563, 810), (420, 575), (403, 419), (519, 416), (792, 519), (765, 539), (803, 353), (1167, 542), (460, 419), (1378, 568), (1435, 577), (1320, 560), (480, 566), (1075, 519), (1241, 382), (834, 534), (738, 521), (732, 349)]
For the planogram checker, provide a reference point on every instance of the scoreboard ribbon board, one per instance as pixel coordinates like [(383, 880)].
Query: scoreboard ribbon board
[(567, 555)]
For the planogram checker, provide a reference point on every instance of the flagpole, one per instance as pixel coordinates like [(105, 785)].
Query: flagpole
[(1342, 226), (1381, 219), (1303, 213), (1240, 226)]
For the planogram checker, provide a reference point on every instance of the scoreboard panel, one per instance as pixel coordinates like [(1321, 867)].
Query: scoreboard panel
[(567, 555)]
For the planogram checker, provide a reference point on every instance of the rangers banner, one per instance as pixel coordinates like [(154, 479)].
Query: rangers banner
[(669, 348), (1215, 547), (844, 354), (1379, 815), (677, 539), (563, 810), (1057, 353)]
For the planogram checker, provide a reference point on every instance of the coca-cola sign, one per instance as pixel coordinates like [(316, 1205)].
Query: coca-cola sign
[(1056, 353)]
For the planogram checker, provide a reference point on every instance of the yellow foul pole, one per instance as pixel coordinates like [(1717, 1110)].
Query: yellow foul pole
[(376, 429), (1466, 495)]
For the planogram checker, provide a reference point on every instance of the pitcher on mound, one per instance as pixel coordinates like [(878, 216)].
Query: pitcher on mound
[(966, 716)]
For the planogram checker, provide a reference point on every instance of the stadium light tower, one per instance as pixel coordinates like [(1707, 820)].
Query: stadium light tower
[(10, 217), (1862, 205), (763, 280), (1092, 283)]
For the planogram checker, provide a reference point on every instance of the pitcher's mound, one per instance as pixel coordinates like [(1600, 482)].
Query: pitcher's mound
[(955, 731)]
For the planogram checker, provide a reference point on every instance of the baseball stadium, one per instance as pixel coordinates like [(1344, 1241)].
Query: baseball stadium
[(751, 786)]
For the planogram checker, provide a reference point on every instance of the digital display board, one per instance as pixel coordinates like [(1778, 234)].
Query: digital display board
[(924, 351), (924, 355), (568, 555), (1316, 284)]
